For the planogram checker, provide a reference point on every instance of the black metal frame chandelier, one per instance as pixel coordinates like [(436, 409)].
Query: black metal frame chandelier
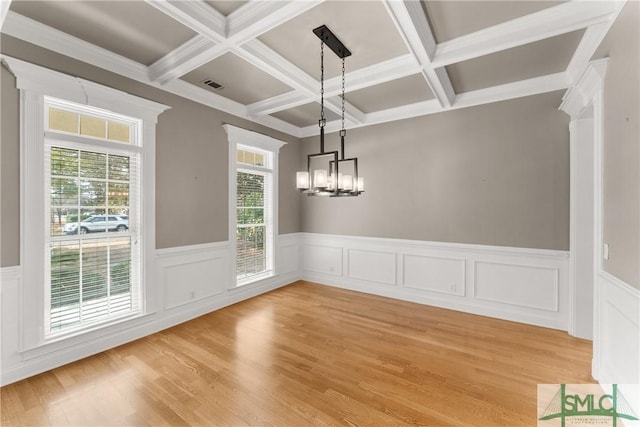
[(329, 173)]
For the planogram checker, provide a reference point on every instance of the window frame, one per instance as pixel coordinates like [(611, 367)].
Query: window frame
[(132, 149), (35, 83), (252, 141)]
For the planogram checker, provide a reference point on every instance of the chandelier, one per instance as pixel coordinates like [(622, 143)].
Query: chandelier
[(329, 173)]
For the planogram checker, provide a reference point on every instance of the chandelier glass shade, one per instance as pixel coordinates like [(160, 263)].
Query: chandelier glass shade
[(329, 173)]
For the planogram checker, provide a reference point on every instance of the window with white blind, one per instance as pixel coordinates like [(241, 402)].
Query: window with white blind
[(253, 179), (253, 214), (87, 210), (92, 257)]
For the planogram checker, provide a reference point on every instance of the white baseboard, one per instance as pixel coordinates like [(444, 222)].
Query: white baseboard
[(194, 281), (522, 285)]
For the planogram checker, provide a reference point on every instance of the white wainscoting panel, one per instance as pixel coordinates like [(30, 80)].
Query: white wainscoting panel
[(289, 259), (323, 259), (10, 283), (437, 274), (616, 341), (374, 266), (523, 285), (192, 281), (512, 284), (194, 275)]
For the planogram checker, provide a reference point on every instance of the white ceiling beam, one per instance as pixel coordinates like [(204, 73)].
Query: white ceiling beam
[(591, 39), (268, 60), (196, 15), (411, 21), (259, 16), (4, 8), (382, 72), (550, 22), (34, 32), (190, 55), (519, 89), (49, 38), (535, 86), (244, 24), (278, 103)]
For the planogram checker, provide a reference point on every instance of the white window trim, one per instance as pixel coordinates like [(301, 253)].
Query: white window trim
[(34, 83), (238, 136)]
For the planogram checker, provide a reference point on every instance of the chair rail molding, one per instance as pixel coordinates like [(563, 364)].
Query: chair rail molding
[(517, 284)]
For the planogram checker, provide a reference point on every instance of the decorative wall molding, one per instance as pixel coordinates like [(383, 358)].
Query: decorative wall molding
[(193, 281), (616, 345), (416, 271), (581, 94), (523, 285), (238, 33), (583, 102)]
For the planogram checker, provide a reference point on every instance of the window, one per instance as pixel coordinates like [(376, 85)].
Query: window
[(87, 234), (252, 203), (92, 255), (253, 217)]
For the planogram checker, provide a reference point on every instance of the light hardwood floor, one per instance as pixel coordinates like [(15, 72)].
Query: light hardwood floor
[(311, 355)]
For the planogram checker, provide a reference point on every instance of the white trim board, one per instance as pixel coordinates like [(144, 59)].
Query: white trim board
[(616, 345), (517, 284), (194, 281), (238, 33)]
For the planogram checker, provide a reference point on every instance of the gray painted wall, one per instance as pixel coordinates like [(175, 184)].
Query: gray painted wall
[(191, 159), (496, 175), (621, 198), (9, 171)]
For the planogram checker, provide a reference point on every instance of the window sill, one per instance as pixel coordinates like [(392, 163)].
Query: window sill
[(81, 337), (253, 279)]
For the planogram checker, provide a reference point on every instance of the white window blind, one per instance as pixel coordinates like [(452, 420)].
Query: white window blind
[(252, 216), (92, 258), (253, 204)]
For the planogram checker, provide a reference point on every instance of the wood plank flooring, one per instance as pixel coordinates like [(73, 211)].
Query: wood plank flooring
[(305, 355)]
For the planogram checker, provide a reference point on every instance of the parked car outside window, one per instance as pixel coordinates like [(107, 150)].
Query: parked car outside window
[(98, 224)]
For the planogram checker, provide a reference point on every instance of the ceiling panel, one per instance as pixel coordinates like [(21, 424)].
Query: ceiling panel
[(543, 57), (451, 19), (132, 29), (364, 27), (225, 7), (241, 81), (305, 115), (407, 90)]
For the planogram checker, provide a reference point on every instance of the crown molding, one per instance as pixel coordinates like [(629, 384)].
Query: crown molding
[(520, 89), (49, 38), (409, 20)]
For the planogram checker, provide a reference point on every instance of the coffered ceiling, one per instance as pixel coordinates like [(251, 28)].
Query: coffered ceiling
[(409, 58)]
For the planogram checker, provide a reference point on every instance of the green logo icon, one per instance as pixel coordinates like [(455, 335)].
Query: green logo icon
[(587, 405)]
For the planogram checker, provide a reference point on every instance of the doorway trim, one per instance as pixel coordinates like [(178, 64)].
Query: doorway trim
[(585, 94)]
